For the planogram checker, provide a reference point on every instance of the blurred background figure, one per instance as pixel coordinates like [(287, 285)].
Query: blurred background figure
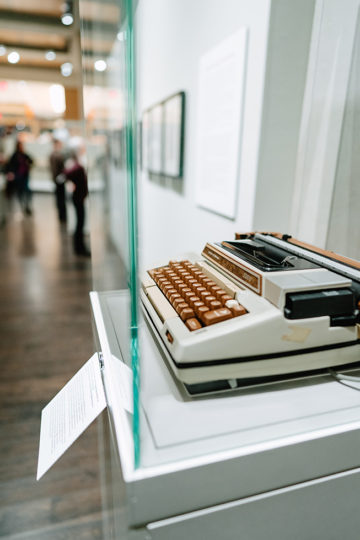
[(76, 173), (57, 160), (17, 171)]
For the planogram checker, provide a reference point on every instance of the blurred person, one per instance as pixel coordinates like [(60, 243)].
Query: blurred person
[(57, 161), (17, 171), (77, 176)]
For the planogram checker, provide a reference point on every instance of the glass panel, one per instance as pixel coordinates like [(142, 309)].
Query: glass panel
[(109, 103), (344, 217), (232, 126)]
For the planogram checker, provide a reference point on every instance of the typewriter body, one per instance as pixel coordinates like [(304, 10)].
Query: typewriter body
[(259, 307)]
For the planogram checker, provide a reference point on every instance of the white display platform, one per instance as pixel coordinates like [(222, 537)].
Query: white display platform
[(207, 458)]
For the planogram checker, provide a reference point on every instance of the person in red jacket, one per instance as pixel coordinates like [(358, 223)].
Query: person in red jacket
[(77, 175)]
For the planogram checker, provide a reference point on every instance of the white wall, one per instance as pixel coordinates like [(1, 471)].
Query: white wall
[(172, 36)]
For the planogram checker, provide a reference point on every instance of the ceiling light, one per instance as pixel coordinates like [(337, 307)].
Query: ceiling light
[(50, 55), (100, 65), (67, 19), (66, 69), (2, 50), (13, 57)]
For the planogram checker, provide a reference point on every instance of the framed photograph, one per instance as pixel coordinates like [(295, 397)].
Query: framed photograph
[(174, 110), (155, 139)]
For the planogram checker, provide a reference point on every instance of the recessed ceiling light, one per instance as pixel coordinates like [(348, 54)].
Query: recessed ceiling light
[(66, 69), (50, 55), (13, 57), (67, 19), (100, 65), (2, 50)]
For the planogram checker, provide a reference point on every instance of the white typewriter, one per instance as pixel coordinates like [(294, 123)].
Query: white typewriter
[(260, 307)]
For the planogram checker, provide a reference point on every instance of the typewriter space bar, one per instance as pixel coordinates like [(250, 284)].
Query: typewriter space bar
[(162, 307)]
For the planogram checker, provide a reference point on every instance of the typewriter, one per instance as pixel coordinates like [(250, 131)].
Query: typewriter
[(261, 307)]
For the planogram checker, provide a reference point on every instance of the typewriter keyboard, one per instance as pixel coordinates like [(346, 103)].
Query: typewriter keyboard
[(196, 298)]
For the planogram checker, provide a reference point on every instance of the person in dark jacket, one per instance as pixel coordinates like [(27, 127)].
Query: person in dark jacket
[(57, 168), (17, 171), (77, 175)]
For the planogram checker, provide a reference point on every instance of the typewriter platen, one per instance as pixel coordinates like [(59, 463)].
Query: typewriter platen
[(256, 308)]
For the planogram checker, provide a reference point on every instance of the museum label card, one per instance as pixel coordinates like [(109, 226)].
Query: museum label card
[(69, 413)]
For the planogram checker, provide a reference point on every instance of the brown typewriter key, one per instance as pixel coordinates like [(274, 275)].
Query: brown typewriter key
[(191, 282), (187, 294), (201, 312), (211, 284), (215, 316), (215, 304), (178, 301), (179, 308), (197, 306), (164, 284), (196, 286), (170, 292), (193, 324), (173, 296), (181, 287), (200, 290), (193, 299), (225, 298), (207, 282), (214, 289), (204, 295), (187, 313), (209, 299), (219, 294), (238, 310)]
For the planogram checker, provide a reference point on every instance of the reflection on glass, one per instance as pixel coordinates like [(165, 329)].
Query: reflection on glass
[(109, 95)]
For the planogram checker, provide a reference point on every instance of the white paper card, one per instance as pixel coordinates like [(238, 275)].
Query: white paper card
[(69, 413), (220, 105), (123, 378)]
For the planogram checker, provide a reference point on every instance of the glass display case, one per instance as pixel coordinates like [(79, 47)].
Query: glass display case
[(205, 121)]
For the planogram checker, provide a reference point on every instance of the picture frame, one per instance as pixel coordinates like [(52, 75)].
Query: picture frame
[(162, 134), (174, 124)]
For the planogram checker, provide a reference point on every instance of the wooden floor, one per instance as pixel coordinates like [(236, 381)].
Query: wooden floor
[(45, 337)]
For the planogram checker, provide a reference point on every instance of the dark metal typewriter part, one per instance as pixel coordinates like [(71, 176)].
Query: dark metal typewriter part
[(266, 257)]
